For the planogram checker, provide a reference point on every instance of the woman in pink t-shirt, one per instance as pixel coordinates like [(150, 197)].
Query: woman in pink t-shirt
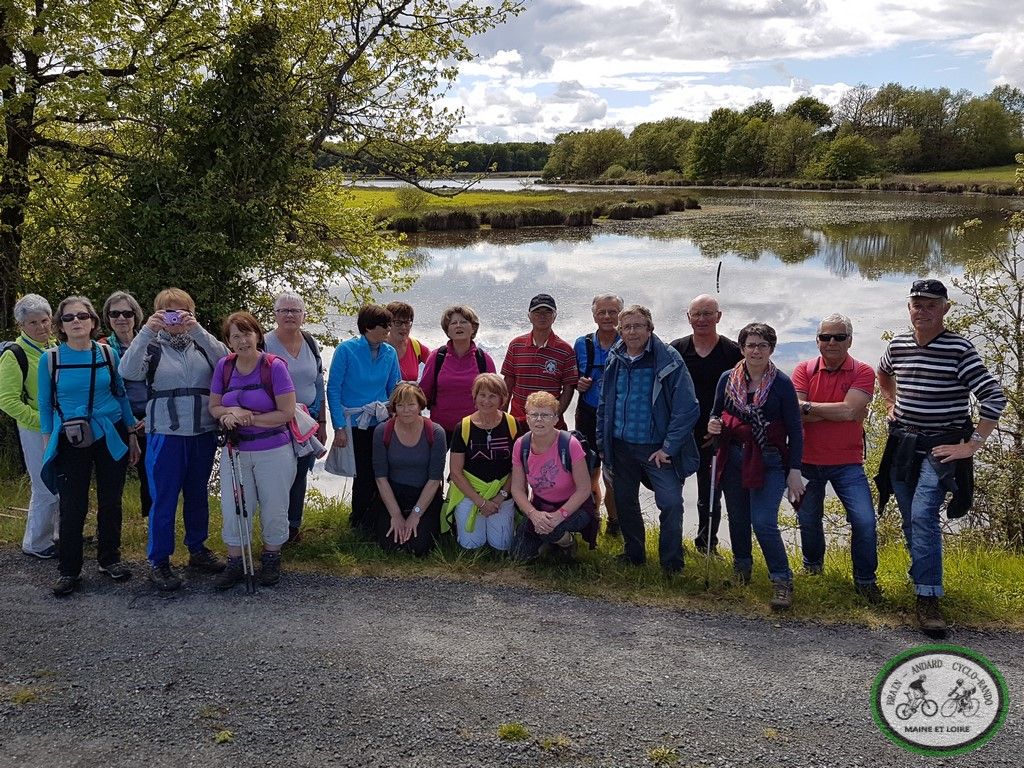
[(557, 502), (411, 352)]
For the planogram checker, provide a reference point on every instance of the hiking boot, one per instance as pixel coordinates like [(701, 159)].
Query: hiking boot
[(742, 576), (46, 554), (624, 559), (231, 575), (205, 560), (814, 570), (782, 596), (930, 617), (163, 577), (270, 568), (611, 528), (567, 554), (117, 571), (294, 535), (65, 585), (870, 592)]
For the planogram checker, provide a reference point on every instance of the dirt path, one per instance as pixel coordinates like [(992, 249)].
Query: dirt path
[(325, 670)]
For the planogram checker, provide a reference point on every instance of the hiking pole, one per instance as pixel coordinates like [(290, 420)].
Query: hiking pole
[(711, 515), (241, 517)]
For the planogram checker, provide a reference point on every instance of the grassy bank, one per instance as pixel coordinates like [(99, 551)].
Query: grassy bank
[(985, 585), (1000, 174)]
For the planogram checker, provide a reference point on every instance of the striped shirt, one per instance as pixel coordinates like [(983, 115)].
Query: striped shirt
[(934, 382), (550, 368)]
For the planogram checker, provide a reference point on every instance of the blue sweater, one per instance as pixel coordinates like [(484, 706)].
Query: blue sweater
[(356, 379), (781, 404)]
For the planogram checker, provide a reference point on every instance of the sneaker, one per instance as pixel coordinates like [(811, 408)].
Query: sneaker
[(47, 554), (205, 560), (623, 559), (782, 596), (231, 575), (814, 570), (164, 578), (567, 554), (742, 576), (870, 592), (930, 617), (270, 568), (65, 585), (294, 535), (117, 571), (611, 528)]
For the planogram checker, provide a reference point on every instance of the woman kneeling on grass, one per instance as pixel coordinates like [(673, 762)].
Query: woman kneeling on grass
[(253, 398), (556, 500), (481, 469), (408, 463)]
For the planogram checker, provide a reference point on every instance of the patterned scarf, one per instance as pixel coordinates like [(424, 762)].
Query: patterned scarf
[(736, 399)]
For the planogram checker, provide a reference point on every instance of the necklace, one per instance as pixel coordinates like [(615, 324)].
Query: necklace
[(489, 429)]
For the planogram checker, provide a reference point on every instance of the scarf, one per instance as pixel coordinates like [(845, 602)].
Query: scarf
[(750, 413)]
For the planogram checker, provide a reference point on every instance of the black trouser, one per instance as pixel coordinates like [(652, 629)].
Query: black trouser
[(75, 468), (297, 494), (703, 498), (427, 532), (145, 500), (364, 485)]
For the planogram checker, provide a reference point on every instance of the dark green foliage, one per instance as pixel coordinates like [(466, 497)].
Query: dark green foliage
[(444, 221), (503, 219), (622, 211), (579, 217), (692, 203), (405, 224), (459, 219)]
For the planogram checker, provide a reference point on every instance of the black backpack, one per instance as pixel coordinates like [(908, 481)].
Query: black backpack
[(19, 354), (589, 454), (442, 352)]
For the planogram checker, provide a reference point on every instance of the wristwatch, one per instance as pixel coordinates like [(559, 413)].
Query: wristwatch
[(805, 409), (503, 493), (416, 510), (977, 437)]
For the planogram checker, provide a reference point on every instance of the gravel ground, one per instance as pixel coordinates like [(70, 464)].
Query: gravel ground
[(326, 670)]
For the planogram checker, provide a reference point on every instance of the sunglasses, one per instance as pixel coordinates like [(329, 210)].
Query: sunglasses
[(116, 313), (76, 316), (826, 337)]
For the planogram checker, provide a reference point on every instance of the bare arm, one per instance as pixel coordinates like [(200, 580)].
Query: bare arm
[(854, 407), (565, 398), (887, 386)]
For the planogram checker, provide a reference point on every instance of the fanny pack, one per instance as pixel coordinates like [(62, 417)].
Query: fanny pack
[(78, 432)]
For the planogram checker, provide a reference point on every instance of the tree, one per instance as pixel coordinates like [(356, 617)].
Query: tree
[(810, 109), (707, 146), (852, 107), (586, 154), (746, 149), (655, 146), (1012, 99), (984, 131), (846, 157), (763, 109), (791, 143), (903, 151)]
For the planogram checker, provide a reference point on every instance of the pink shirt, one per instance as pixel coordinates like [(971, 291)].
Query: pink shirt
[(454, 397), (545, 475), (409, 363), (832, 443)]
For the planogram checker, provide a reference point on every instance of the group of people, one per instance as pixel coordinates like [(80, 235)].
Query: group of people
[(160, 390)]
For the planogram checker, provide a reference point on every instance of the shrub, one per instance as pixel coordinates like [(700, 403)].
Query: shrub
[(405, 224), (661, 207), (504, 220), (678, 204), (599, 211), (411, 199), (693, 203), (434, 221), (871, 185), (459, 219), (646, 209), (579, 217), (622, 211), (615, 171)]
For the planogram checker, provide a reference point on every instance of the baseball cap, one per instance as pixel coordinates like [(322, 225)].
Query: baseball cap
[(928, 289), (542, 300)]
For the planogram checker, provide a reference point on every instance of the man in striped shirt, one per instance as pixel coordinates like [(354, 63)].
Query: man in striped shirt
[(926, 377)]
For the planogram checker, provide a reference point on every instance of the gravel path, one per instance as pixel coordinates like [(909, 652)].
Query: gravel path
[(326, 670)]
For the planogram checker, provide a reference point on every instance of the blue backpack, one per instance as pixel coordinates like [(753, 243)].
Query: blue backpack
[(563, 450)]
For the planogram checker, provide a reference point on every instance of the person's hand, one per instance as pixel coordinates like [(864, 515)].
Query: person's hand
[(488, 508), (244, 416), (188, 321), (546, 522), (890, 410), (715, 426), (133, 449), (659, 457), (340, 438), (962, 450), (584, 383), (795, 484), (707, 441), (398, 531), (321, 433), (156, 323), (412, 525), (229, 421)]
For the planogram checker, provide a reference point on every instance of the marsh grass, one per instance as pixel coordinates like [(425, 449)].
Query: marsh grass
[(984, 584)]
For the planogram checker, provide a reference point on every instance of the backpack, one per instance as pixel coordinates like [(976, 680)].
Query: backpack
[(389, 431), (513, 427), (442, 352), (590, 456), (315, 349), (153, 354), (55, 366), (417, 349), (19, 354), (589, 342), (266, 374)]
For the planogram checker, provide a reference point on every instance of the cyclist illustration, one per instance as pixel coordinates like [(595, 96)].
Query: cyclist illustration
[(917, 699), (961, 701)]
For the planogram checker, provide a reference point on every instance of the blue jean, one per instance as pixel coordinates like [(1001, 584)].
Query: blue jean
[(179, 464), (756, 508), (630, 460), (919, 508), (851, 486)]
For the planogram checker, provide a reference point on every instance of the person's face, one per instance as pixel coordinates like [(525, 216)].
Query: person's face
[(81, 324), (541, 420), (459, 328), (704, 316), (378, 333), (119, 323), (926, 314), (756, 351), (408, 409), (487, 401), (38, 327), (242, 341), (289, 314), (635, 331), (400, 329), (606, 315), (542, 318), (832, 350)]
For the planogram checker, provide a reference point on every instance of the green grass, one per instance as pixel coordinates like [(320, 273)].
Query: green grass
[(513, 732), (999, 173), (984, 583)]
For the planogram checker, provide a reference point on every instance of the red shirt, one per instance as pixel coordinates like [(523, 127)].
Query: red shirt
[(538, 369), (833, 442)]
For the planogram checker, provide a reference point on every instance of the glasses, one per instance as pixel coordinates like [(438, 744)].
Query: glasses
[(634, 327), (540, 416), (116, 313), (289, 311), (701, 314), (67, 318), (401, 323), (826, 337), (760, 345)]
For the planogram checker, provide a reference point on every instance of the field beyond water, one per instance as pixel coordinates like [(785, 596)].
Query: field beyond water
[(984, 584)]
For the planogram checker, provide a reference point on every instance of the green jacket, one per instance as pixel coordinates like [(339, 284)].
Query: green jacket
[(25, 413)]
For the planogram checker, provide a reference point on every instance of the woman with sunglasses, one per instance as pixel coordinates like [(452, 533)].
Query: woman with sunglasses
[(412, 353), (175, 356), (123, 316), (364, 372), (759, 455), (86, 422)]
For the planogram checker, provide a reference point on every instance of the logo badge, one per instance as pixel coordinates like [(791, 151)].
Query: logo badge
[(940, 700)]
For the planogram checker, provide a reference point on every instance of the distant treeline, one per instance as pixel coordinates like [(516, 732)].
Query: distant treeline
[(890, 129), (475, 157)]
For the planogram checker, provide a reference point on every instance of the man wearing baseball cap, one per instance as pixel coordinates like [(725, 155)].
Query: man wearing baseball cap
[(539, 361), (927, 377)]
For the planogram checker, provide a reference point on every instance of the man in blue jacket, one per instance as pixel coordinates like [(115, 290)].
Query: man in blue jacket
[(645, 422)]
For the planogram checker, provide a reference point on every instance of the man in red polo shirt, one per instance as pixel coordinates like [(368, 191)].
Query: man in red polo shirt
[(834, 392), (539, 361)]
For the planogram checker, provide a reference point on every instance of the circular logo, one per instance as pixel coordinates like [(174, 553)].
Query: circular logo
[(939, 700)]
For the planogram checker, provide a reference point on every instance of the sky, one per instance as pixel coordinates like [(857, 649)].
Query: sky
[(575, 64)]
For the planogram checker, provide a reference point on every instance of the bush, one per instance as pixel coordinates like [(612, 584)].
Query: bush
[(615, 171), (504, 220), (871, 185), (678, 204), (411, 199), (434, 221), (622, 211), (458, 219), (405, 224), (693, 203), (645, 209), (579, 217)]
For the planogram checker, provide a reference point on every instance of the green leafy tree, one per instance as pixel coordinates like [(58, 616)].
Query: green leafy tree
[(763, 110), (903, 151), (656, 146), (745, 150), (707, 146), (846, 157), (810, 109), (790, 145)]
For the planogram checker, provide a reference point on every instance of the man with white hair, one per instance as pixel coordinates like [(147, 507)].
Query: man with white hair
[(834, 391)]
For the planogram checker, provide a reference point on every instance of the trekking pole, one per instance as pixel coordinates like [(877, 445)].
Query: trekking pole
[(711, 514), (242, 518)]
